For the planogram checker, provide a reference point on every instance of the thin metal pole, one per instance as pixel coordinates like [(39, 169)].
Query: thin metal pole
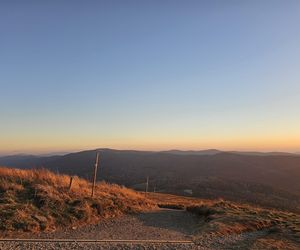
[(147, 184), (95, 173)]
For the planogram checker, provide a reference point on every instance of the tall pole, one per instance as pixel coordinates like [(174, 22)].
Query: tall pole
[(147, 184), (95, 173)]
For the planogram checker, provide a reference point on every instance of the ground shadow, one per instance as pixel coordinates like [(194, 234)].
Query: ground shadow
[(171, 219)]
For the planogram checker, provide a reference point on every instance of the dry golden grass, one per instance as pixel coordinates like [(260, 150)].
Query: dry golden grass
[(221, 218), (170, 199), (39, 200)]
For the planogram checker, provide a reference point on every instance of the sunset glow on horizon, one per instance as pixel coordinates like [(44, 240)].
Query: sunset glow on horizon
[(157, 75)]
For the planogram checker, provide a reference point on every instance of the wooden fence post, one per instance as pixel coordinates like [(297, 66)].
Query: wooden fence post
[(71, 181)]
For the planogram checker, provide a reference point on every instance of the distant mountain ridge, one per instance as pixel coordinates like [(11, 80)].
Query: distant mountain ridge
[(22, 157), (193, 152)]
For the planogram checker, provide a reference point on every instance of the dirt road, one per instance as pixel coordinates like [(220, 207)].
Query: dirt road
[(161, 225)]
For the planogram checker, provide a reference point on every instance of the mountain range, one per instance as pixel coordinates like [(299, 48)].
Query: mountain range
[(266, 179)]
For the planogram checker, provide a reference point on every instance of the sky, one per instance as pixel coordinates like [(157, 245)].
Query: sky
[(149, 75)]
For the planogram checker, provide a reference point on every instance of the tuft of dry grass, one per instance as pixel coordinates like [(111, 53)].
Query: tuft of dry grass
[(39, 200)]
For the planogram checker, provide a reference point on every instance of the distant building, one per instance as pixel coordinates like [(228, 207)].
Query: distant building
[(188, 191)]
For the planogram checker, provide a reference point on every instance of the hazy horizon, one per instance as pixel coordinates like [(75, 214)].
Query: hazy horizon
[(149, 75), (51, 153)]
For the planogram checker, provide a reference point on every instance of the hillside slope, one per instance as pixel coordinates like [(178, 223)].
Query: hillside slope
[(38, 200)]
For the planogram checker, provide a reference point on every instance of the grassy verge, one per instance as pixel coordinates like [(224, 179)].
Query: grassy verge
[(39, 200), (225, 218), (219, 218)]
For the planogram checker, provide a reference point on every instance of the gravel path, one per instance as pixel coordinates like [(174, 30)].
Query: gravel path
[(232, 242), (162, 224), (93, 246)]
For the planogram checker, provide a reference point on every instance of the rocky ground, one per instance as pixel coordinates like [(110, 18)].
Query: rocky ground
[(93, 246)]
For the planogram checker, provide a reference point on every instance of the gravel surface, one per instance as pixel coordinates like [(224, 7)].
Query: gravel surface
[(162, 224), (233, 241), (92, 246)]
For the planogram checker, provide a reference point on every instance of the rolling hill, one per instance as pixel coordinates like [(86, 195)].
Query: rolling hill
[(268, 179)]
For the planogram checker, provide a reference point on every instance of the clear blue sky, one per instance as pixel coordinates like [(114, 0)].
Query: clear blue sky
[(149, 75)]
